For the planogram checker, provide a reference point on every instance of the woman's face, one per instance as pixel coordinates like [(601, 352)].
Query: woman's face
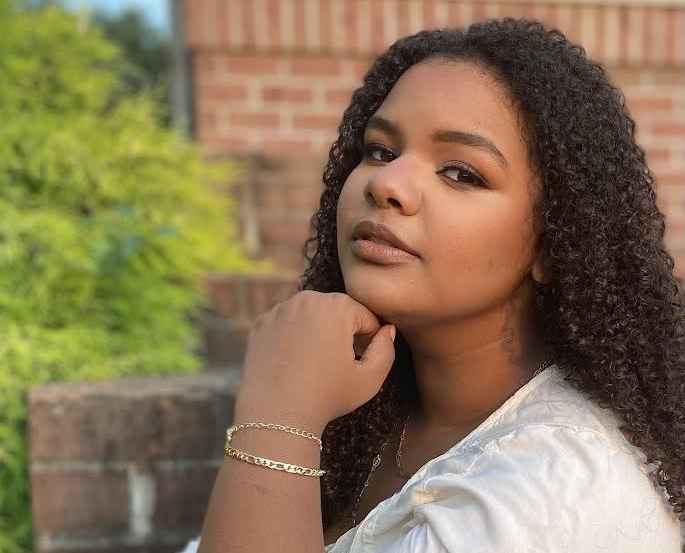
[(445, 167)]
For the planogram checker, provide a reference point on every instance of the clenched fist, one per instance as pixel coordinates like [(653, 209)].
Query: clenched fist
[(301, 360)]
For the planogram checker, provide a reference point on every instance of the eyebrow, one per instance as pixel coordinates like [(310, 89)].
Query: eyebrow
[(442, 135)]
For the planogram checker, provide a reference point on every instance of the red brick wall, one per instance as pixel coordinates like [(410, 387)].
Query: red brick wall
[(271, 78)]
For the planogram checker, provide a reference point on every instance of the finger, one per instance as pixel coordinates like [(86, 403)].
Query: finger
[(380, 353), (364, 321)]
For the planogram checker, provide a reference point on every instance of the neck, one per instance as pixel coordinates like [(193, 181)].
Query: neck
[(466, 369)]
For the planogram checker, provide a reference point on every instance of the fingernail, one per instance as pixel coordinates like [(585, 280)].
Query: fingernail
[(393, 331)]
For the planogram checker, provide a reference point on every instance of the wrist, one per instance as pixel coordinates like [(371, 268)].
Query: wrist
[(269, 412)]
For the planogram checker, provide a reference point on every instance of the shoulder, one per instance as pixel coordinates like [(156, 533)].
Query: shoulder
[(537, 487), (552, 486)]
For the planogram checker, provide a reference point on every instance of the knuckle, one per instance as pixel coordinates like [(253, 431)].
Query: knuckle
[(340, 298)]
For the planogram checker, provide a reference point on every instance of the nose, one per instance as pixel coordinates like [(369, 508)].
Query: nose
[(394, 184)]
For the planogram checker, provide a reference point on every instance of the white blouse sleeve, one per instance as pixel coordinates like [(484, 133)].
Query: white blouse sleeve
[(540, 488)]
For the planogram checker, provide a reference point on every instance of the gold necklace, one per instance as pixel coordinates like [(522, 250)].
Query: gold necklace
[(376, 463), (398, 456)]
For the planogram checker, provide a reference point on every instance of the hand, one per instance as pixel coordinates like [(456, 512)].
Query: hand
[(300, 358)]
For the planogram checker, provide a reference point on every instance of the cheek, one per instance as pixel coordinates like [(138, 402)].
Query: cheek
[(349, 201), (479, 259)]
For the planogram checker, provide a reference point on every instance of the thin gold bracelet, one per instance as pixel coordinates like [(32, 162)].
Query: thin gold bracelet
[(270, 463)]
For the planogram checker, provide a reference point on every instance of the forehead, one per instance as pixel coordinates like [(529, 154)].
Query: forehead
[(453, 95)]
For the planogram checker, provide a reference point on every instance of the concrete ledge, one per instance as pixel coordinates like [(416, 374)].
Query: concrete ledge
[(127, 464)]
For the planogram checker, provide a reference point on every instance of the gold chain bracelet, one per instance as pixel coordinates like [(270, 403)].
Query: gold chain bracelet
[(270, 463)]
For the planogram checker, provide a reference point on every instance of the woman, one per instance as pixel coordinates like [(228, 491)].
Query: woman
[(533, 396)]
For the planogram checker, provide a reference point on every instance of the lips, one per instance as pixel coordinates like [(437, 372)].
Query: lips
[(378, 232)]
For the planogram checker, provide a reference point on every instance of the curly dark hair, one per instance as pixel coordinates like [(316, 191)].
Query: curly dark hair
[(612, 313)]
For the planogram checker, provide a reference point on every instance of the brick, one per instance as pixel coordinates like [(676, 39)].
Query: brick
[(491, 10), (441, 16), (182, 497), (428, 15), (286, 146), (543, 12), (656, 36), (403, 18), (206, 122), (255, 119), (647, 104), (217, 145), (270, 198), (312, 31), (516, 10), (337, 22), (670, 129), (588, 29), (209, 35), (224, 342), (325, 25), (284, 231), (338, 96), (264, 293), (364, 29), (191, 17), (610, 43), (261, 18), (314, 66), (356, 68), (206, 66), (222, 92), (380, 37), (350, 20), (299, 24), (235, 30), (248, 21), (665, 180), (415, 17), (227, 295), (478, 11), (221, 24), (677, 53), (278, 199), (286, 94), (324, 142), (273, 9), (316, 121), (634, 33), (251, 65), (658, 154), (79, 503), (130, 419), (675, 234), (286, 258)]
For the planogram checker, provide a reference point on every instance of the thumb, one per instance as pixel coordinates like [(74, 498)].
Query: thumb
[(380, 353)]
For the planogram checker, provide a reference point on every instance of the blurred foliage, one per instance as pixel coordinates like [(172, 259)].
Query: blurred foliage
[(108, 221), (146, 59)]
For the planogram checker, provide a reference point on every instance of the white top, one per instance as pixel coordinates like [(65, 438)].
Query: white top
[(547, 472)]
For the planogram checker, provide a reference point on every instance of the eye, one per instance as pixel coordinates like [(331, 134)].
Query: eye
[(370, 149), (464, 175)]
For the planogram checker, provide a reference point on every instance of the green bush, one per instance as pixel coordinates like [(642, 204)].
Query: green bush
[(107, 224)]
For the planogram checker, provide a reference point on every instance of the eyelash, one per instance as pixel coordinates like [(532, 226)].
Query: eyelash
[(479, 181)]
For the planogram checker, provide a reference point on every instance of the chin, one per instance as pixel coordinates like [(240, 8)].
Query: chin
[(386, 304)]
